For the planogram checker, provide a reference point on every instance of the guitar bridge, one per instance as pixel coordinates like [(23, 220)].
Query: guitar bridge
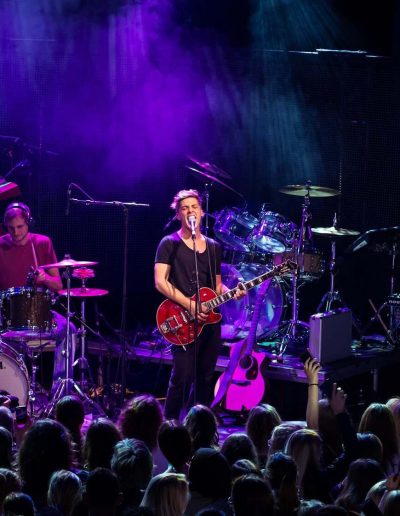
[(170, 325)]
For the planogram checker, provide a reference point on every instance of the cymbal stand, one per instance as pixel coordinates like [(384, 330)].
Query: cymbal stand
[(83, 365), (332, 296), (291, 335), (67, 385)]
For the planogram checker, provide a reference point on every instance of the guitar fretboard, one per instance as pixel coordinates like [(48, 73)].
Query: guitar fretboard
[(230, 294)]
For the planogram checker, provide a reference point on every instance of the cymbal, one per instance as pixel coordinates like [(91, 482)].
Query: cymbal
[(312, 191), (68, 262), (211, 168), (334, 231), (214, 180), (84, 292), (83, 273)]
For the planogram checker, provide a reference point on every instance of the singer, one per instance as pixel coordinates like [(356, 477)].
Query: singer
[(21, 255), (175, 278)]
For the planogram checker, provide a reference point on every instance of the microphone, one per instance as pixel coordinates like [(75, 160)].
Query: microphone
[(192, 223), (68, 200)]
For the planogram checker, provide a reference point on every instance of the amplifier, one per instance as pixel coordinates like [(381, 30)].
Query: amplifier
[(331, 335)]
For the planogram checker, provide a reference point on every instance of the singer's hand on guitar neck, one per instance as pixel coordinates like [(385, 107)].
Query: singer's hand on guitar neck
[(201, 314)]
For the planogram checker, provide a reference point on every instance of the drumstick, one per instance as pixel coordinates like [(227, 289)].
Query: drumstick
[(34, 255)]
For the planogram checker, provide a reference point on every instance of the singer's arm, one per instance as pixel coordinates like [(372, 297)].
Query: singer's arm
[(167, 289)]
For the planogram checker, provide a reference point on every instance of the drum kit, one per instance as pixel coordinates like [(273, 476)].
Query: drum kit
[(27, 329), (252, 244)]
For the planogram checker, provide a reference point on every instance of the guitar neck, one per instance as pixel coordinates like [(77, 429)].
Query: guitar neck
[(230, 294)]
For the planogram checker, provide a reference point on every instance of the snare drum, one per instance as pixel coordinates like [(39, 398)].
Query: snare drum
[(26, 308), (273, 233), (233, 226), (14, 377)]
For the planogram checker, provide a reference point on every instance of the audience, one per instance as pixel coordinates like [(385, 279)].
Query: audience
[(378, 419), (45, 449), (289, 468), (210, 480), (239, 446), (132, 463), (17, 503), (141, 419), (259, 426), (102, 493), (175, 444), (252, 495), (6, 448), (98, 447), (167, 494), (71, 413), (362, 475), (64, 491), (203, 427)]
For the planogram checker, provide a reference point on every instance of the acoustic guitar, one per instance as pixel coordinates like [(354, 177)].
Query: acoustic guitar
[(241, 386)]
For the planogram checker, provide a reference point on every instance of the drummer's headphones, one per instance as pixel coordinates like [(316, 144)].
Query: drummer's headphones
[(26, 212)]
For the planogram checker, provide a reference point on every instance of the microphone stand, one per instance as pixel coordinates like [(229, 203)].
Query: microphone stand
[(122, 335), (196, 321)]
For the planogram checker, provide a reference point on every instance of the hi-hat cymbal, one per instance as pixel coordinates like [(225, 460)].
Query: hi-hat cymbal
[(84, 292), (210, 167), (334, 231), (312, 191), (214, 180), (68, 262)]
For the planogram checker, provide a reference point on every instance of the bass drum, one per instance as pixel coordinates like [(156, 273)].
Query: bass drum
[(236, 315), (14, 377)]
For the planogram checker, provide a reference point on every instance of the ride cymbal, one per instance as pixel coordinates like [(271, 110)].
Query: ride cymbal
[(334, 231), (312, 191), (84, 292)]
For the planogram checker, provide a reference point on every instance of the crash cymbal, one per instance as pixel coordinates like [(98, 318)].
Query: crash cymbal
[(214, 180), (211, 168), (84, 292), (68, 262), (334, 231), (312, 191)]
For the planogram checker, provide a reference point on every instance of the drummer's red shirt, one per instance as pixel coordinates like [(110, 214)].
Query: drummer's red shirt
[(16, 261)]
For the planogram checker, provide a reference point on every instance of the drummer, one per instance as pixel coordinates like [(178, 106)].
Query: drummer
[(22, 254)]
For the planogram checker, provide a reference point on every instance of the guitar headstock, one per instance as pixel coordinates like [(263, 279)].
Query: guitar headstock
[(285, 267)]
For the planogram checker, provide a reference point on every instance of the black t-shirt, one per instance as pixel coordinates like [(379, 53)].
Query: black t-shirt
[(174, 252)]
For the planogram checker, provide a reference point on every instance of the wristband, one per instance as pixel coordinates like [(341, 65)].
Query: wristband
[(310, 384)]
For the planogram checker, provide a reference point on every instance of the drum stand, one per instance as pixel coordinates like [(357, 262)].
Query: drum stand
[(67, 385)]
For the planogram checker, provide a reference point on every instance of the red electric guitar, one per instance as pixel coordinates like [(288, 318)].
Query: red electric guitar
[(176, 324)]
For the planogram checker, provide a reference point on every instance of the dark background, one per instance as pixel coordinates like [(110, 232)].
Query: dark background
[(114, 96)]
